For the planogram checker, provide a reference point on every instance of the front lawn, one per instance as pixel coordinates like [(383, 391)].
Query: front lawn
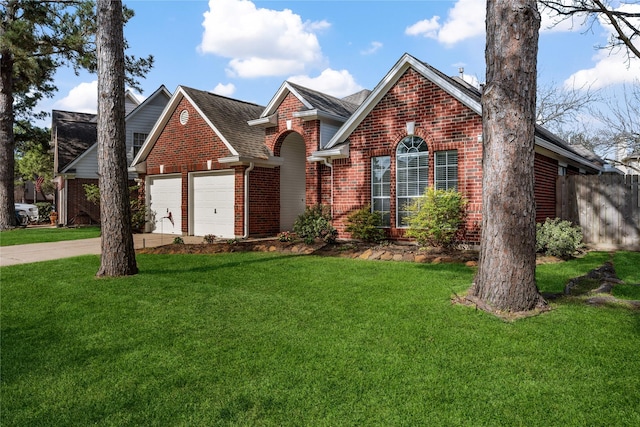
[(284, 340), (22, 236)]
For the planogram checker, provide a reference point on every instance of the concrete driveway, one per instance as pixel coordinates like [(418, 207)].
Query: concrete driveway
[(35, 252)]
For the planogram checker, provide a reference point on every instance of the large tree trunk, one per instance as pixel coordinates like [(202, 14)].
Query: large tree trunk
[(505, 280), (118, 254), (7, 164)]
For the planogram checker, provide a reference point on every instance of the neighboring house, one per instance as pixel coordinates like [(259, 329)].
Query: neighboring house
[(74, 141), (214, 165), (631, 164)]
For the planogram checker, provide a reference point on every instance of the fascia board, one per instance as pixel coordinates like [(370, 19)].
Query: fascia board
[(565, 153), (161, 90), (80, 157), (340, 152), (271, 162), (267, 121), (317, 115)]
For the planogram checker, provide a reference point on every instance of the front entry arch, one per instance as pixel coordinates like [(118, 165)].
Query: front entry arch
[(293, 197)]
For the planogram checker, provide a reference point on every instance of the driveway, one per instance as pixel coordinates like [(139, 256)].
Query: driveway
[(35, 252)]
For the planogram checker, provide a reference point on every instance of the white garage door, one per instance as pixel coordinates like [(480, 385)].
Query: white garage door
[(213, 200), (164, 199)]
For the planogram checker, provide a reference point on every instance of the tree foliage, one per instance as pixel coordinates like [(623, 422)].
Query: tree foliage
[(36, 38)]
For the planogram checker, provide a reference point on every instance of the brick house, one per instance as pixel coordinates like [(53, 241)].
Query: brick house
[(261, 166)]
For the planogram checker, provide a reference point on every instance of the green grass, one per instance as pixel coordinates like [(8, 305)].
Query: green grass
[(255, 339), (22, 236)]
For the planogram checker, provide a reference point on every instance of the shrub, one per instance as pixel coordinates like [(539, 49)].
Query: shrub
[(365, 225), (435, 217), (44, 209), (285, 236), (178, 241), (556, 237), (315, 223), (209, 238), (138, 208)]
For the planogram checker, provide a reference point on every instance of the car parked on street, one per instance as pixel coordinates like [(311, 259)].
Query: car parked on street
[(28, 210)]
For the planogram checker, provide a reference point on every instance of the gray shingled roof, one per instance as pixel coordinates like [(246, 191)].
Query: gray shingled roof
[(540, 131), (230, 117), (76, 133), (326, 103)]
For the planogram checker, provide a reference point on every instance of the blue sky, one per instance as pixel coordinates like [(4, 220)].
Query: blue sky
[(246, 49)]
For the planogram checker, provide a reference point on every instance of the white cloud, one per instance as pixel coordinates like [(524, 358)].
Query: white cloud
[(82, 99), (610, 69), (612, 66), (373, 48), (464, 21), (224, 90), (258, 41), (333, 82)]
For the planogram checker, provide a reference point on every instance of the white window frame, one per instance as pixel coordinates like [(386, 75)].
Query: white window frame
[(137, 144), (449, 181), (381, 189), (412, 158)]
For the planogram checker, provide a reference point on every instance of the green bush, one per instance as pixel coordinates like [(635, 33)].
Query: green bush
[(178, 241), (435, 218), (365, 225), (556, 237), (138, 208), (209, 238), (315, 223), (44, 209)]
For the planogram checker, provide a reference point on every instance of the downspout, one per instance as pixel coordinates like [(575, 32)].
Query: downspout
[(246, 200), (330, 166)]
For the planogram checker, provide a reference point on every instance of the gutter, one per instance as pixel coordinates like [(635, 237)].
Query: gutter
[(246, 200)]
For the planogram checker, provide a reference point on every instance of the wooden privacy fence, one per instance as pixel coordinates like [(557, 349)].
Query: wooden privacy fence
[(607, 208)]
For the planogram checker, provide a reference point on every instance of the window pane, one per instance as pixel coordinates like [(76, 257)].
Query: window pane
[(446, 169), (380, 187)]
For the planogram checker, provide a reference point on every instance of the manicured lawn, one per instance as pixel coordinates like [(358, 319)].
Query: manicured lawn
[(279, 340), (21, 236)]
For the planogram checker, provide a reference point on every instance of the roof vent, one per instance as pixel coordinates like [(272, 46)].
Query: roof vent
[(184, 117)]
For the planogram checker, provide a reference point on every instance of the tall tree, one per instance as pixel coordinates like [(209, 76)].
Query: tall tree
[(37, 37), (505, 280), (118, 254)]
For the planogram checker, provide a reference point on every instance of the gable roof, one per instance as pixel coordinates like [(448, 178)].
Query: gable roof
[(227, 117), (463, 92), (73, 134), (317, 105), (162, 90)]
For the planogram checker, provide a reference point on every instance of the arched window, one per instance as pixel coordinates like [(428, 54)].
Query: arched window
[(412, 174)]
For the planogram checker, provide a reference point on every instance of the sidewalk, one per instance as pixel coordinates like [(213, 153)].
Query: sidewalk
[(35, 252)]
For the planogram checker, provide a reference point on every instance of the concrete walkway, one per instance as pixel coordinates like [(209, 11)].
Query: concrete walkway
[(35, 252)]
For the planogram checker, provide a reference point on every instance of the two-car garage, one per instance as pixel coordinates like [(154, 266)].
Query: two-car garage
[(211, 206)]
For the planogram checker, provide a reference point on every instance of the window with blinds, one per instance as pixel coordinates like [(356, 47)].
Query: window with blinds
[(446, 170), (412, 174), (381, 188)]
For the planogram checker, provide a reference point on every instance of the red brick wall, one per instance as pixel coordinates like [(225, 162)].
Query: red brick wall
[(546, 173), (264, 202), (442, 121), (79, 209), (310, 132), (187, 148)]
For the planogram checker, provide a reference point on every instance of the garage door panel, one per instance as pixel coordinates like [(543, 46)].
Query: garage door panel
[(213, 204), (165, 203)]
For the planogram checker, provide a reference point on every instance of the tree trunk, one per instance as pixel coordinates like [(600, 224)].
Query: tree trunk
[(505, 280), (118, 254), (7, 142)]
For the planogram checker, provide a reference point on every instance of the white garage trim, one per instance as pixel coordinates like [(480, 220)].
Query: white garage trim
[(212, 203), (164, 203)]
